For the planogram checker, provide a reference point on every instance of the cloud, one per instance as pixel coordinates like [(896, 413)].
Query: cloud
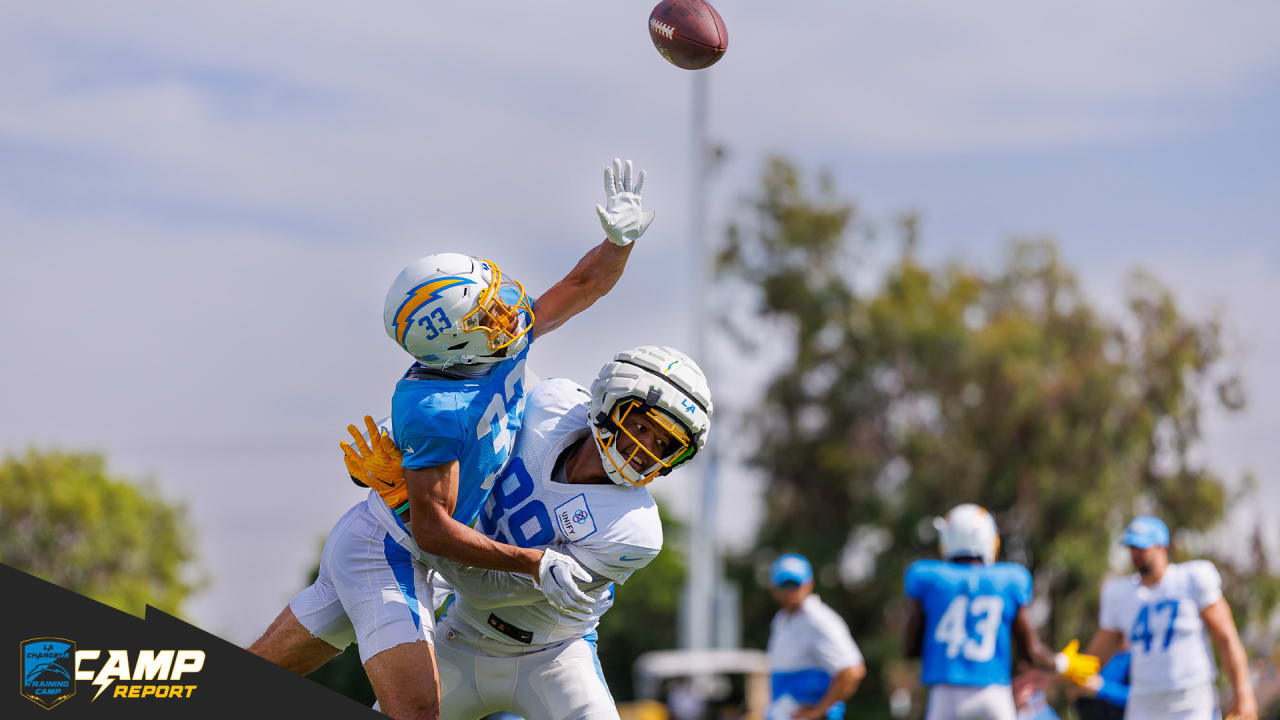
[(201, 206)]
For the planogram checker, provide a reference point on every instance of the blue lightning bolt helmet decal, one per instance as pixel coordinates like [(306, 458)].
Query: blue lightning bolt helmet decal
[(421, 296)]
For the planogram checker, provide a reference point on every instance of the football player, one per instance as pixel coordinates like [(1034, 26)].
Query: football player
[(576, 483), (965, 610), (1165, 613), (456, 412)]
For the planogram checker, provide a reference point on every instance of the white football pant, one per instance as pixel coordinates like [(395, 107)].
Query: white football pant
[(962, 702), (370, 590), (1198, 703), (479, 676)]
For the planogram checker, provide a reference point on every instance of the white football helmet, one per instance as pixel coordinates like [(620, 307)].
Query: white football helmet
[(453, 309), (968, 531), (658, 393)]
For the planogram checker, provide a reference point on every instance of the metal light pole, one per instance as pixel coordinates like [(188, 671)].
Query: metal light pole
[(704, 570)]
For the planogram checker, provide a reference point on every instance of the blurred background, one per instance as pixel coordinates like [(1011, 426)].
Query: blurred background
[(1016, 255)]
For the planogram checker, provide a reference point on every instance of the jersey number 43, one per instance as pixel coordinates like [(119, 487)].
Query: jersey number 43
[(953, 627)]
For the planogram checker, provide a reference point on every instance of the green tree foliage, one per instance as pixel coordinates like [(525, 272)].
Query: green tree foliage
[(644, 612), (64, 519), (951, 384)]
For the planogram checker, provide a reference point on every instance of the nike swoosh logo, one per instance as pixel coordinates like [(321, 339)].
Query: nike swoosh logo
[(624, 558)]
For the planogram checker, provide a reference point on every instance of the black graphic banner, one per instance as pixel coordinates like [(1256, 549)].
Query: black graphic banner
[(72, 657)]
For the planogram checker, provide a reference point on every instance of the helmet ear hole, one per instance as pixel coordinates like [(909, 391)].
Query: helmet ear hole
[(606, 423)]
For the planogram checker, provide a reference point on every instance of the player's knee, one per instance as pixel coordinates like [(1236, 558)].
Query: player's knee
[(413, 705)]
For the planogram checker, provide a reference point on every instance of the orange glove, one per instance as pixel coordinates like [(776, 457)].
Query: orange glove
[(377, 464)]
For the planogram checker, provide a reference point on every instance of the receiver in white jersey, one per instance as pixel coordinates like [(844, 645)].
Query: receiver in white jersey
[(611, 530), (1161, 623), (493, 617)]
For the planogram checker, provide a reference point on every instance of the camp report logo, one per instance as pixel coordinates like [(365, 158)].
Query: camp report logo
[(51, 667)]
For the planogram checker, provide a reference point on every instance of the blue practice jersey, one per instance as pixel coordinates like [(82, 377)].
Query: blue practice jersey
[(968, 612), (471, 420)]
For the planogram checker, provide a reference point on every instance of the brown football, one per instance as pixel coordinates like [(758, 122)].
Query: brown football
[(689, 33)]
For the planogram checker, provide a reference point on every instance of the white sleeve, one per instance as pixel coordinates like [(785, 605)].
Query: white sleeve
[(835, 649), (1206, 583), (623, 545), (616, 561), (487, 589), (1109, 610)]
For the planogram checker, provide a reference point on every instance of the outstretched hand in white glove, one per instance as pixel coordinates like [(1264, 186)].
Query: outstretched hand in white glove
[(622, 217)]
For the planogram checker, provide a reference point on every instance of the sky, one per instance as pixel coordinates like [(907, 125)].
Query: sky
[(201, 206)]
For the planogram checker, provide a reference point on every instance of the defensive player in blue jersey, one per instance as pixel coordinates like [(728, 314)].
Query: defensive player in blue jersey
[(455, 414), (966, 609)]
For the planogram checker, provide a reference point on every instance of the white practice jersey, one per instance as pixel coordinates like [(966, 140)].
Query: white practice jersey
[(610, 529), (1166, 637), (807, 648)]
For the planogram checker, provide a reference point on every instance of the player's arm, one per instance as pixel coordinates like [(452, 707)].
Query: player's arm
[(433, 493), (1030, 647), (1110, 684), (1222, 628), (489, 589), (913, 635), (843, 684), (834, 651), (1105, 643), (1069, 663), (623, 220)]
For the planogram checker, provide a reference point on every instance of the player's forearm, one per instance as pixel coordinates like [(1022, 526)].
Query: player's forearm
[(1237, 662), (841, 687), (591, 279), (1104, 645), (444, 536), (1222, 628), (1042, 657), (487, 589), (599, 270)]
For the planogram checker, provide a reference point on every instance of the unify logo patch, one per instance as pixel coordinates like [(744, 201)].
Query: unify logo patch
[(575, 520), (52, 666)]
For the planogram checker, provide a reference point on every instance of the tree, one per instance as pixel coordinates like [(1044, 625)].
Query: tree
[(950, 384), (644, 612), (64, 519)]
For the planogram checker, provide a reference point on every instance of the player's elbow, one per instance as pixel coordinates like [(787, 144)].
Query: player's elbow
[(855, 676), (431, 533)]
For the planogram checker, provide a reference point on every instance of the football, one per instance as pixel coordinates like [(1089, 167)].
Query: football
[(689, 33)]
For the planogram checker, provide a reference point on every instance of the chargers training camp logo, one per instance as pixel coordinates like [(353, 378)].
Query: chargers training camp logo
[(51, 666), (47, 667), (421, 296)]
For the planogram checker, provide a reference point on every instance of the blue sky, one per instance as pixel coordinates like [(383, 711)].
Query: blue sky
[(201, 207)]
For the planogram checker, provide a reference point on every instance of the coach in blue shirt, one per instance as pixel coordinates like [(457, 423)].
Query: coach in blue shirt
[(814, 663)]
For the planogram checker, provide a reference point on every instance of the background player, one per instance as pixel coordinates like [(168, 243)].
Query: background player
[(456, 413), (1163, 612), (575, 483), (966, 608), (814, 664)]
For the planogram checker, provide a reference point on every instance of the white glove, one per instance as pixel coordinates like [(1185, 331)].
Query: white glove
[(556, 573), (622, 217)]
